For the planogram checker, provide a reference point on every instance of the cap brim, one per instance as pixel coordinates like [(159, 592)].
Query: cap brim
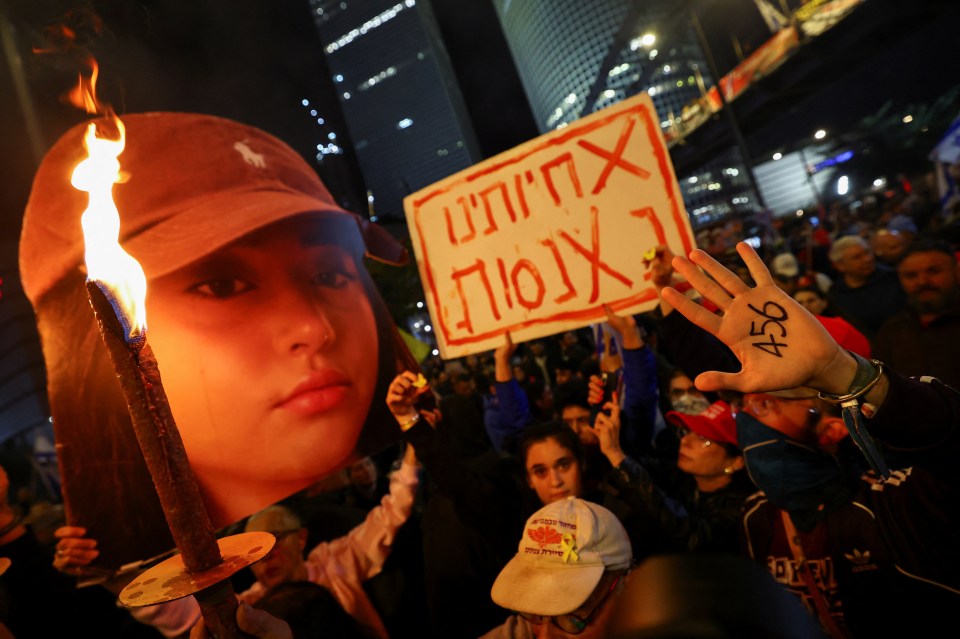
[(544, 589), (197, 231), (676, 418)]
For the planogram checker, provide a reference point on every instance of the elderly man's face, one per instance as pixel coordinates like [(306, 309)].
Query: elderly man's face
[(856, 261), (284, 562), (929, 280)]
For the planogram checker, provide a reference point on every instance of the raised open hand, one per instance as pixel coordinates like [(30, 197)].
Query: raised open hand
[(779, 344)]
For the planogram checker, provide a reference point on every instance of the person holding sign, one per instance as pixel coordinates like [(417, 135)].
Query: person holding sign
[(870, 556)]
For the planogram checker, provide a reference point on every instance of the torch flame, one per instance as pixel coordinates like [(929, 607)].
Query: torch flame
[(107, 263), (84, 94)]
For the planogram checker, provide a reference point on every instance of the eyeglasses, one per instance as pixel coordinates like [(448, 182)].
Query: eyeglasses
[(570, 623), (680, 392), (683, 431)]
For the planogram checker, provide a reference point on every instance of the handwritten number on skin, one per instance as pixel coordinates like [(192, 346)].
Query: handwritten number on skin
[(773, 346)]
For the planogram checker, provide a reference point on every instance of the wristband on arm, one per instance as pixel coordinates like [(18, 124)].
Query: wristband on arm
[(868, 375)]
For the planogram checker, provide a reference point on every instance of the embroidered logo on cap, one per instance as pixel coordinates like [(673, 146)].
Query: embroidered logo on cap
[(544, 535), (251, 158)]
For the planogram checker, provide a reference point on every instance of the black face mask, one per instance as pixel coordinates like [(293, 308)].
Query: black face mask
[(795, 477)]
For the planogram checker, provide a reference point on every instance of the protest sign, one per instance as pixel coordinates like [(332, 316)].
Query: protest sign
[(533, 241)]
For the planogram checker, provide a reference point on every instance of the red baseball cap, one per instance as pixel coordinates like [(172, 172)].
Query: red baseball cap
[(716, 423), (196, 183)]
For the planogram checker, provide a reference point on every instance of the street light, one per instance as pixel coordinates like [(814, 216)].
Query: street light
[(820, 134)]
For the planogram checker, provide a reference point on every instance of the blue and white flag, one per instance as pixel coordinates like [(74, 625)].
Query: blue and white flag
[(946, 153)]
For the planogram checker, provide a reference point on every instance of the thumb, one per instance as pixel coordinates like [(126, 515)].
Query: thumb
[(715, 380)]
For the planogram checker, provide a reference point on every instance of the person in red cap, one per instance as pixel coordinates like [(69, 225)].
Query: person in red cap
[(708, 446), (275, 348), (697, 508)]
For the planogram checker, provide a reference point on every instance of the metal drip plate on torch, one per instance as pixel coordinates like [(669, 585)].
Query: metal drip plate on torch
[(170, 580)]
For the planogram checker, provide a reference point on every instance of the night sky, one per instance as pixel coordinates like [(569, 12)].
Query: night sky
[(246, 59)]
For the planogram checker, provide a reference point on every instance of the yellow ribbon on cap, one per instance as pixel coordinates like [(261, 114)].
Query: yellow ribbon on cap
[(569, 544)]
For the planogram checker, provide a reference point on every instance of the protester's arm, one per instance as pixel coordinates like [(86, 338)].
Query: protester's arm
[(361, 554), (515, 412), (476, 495), (639, 378), (920, 416), (514, 407)]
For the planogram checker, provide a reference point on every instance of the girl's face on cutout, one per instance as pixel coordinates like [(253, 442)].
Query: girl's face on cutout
[(268, 350)]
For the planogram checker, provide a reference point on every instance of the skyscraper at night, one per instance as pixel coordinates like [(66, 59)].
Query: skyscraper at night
[(407, 121), (575, 58)]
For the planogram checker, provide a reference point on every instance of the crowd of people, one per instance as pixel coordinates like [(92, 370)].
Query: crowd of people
[(766, 453)]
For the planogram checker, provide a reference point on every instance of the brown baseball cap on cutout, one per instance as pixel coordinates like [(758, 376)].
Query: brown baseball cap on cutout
[(196, 183)]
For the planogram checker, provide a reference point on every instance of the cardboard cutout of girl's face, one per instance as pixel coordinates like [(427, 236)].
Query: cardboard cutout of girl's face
[(268, 349), (273, 345)]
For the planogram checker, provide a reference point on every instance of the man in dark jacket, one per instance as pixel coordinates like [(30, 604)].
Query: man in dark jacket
[(924, 339)]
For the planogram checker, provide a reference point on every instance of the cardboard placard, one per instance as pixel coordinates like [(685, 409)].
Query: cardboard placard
[(533, 241)]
